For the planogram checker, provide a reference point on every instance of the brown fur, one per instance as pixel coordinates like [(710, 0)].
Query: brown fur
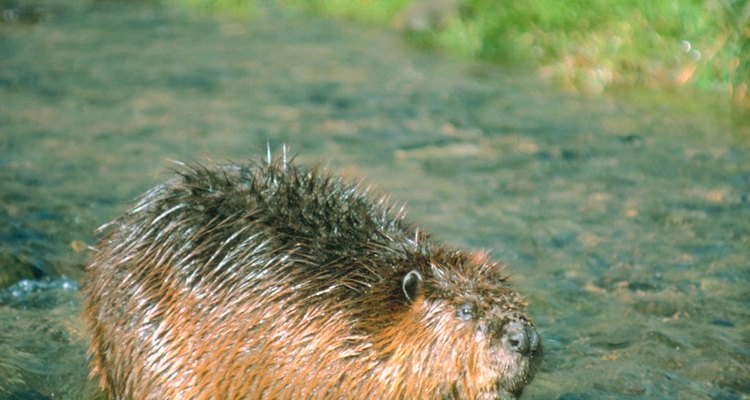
[(271, 281)]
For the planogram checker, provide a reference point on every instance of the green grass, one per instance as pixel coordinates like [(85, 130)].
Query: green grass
[(587, 45), (233, 8), (592, 44), (372, 11)]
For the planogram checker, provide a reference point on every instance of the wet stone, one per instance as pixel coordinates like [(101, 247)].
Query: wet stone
[(659, 308), (722, 322), (12, 11), (633, 140), (642, 286), (663, 339), (26, 395), (575, 396)]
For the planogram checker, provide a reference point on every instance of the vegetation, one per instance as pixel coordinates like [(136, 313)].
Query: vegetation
[(583, 44), (235, 8)]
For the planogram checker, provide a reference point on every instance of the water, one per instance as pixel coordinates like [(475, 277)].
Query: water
[(625, 220)]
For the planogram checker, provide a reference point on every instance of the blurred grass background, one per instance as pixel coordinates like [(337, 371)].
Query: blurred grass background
[(586, 45)]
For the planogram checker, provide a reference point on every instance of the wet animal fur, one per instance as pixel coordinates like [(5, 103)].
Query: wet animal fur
[(272, 281)]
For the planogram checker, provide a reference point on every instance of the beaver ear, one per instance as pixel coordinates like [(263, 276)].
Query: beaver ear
[(410, 284)]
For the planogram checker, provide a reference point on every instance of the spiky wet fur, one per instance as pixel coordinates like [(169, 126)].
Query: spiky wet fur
[(272, 281)]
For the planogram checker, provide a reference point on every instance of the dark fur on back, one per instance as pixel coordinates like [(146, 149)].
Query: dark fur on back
[(272, 281)]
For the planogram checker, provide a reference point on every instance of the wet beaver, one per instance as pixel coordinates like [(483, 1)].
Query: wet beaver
[(272, 281)]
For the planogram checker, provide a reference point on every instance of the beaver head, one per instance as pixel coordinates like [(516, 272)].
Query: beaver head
[(462, 326)]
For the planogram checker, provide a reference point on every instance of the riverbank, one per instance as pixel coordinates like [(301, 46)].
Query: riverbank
[(587, 46)]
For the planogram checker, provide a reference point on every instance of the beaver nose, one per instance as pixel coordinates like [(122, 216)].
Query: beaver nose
[(521, 337)]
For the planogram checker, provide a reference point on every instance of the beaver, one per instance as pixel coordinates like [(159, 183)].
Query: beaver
[(268, 280)]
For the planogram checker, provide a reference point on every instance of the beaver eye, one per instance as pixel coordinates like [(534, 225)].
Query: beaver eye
[(466, 312)]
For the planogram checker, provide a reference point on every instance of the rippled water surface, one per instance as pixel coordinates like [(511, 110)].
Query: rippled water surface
[(625, 220)]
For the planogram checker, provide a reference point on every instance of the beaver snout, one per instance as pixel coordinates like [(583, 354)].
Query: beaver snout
[(520, 337)]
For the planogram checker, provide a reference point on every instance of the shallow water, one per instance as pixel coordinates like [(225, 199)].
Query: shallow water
[(625, 220)]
